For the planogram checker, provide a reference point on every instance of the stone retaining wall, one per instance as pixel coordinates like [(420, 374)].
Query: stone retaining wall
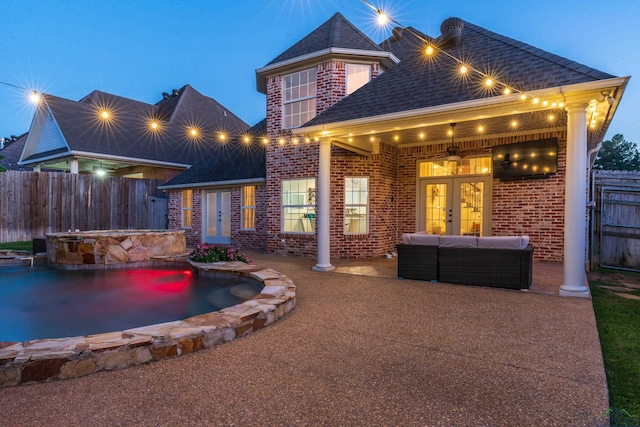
[(99, 249), (53, 359)]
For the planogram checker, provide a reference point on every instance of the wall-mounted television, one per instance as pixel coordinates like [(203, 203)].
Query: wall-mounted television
[(526, 160)]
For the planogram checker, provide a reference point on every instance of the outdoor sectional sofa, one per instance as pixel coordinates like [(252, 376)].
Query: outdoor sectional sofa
[(494, 261)]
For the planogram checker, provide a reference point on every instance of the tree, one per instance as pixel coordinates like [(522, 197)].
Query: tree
[(618, 154)]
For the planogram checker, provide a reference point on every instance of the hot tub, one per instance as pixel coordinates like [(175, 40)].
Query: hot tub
[(113, 248)]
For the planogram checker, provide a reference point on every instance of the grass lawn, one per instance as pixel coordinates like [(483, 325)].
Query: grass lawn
[(619, 328), (18, 246)]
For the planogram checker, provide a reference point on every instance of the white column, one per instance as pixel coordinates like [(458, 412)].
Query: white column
[(324, 207), (575, 203), (74, 166)]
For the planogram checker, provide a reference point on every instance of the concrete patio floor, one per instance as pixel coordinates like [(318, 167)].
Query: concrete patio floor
[(359, 350)]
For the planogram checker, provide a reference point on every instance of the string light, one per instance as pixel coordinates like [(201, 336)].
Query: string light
[(429, 50)]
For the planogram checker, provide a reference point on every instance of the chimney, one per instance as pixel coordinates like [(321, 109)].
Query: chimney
[(451, 32), (175, 92), (165, 95)]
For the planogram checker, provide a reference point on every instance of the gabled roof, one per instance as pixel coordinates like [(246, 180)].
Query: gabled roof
[(419, 83), (127, 134), (337, 37), (336, 32), (234, 161)]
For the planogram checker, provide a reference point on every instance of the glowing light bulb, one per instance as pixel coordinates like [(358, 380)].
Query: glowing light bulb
[(281, 141), (295, 141), (481, 129), (421, 135), (545, 103), (246, 139), (350, 139), (463, 69), (506, 91), (101, 172), (193, 131), (382, 18), (104, 114), (265, 141), (307, 140), (514, 124), (551, 117), (34, 97), (536, 100), (153, 125), (523, 96), (396, 138), (488, 82), (429, 50), (554, 104), (222, 136)]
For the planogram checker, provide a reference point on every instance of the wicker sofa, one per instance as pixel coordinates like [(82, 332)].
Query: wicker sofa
[(494, 261)]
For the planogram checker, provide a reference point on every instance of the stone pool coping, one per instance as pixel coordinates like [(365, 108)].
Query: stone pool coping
[(45, 360)]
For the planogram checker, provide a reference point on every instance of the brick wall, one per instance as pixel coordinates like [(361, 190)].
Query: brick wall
[(532, 207), (254, 239)]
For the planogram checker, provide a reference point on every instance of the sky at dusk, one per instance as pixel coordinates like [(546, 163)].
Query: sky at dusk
[(139, 49)]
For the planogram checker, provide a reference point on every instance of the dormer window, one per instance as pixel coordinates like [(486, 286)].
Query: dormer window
[(358, 75), (298, 98)]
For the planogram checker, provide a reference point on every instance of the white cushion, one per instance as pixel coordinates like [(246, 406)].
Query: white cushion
[(500, 242), (524, 242), (458, 241), (406, 238), (424, 239)]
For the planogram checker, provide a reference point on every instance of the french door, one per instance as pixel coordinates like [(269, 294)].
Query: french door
[(217, 222), (455, 206)]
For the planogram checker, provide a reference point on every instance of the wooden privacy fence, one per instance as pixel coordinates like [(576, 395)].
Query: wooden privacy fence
[(615, 233), (33, 204)]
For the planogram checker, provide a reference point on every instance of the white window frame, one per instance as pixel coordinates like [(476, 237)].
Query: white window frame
[(350, 87), (302, 204), (244, 208), (295, 97), (354, 211), (187, 208)]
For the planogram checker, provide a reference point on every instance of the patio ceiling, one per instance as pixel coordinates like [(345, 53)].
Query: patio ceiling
[(497, 116)]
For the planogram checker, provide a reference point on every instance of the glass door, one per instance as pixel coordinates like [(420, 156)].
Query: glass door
[(436, 209), (454, 206), (218, 217)]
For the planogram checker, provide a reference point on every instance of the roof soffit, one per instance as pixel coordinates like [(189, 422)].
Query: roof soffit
[(476, 111)]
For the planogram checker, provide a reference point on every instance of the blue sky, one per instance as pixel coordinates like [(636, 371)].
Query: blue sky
[(139, 49)]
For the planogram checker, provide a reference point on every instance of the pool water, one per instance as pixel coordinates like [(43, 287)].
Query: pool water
[(39, 302)]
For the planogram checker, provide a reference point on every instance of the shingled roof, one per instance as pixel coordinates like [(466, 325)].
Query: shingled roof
[(11, 154), (417, 83), (127, 134), (336, 32), (232, 161)]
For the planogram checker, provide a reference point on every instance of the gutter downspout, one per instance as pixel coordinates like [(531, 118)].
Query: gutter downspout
[(591, 204)]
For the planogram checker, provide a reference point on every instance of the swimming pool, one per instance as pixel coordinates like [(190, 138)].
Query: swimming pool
[(39, 302)]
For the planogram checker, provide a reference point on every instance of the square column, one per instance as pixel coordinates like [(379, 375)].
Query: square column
[(575, 203)]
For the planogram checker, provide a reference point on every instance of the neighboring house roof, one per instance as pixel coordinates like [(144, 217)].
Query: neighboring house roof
[(419, 83), (127, 133), (336, 32), (11, 154), (233, 161)]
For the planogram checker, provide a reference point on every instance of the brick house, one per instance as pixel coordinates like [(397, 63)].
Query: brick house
[(368, 141)]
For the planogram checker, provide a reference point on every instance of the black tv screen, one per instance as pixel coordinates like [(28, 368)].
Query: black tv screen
[(526, 160)]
